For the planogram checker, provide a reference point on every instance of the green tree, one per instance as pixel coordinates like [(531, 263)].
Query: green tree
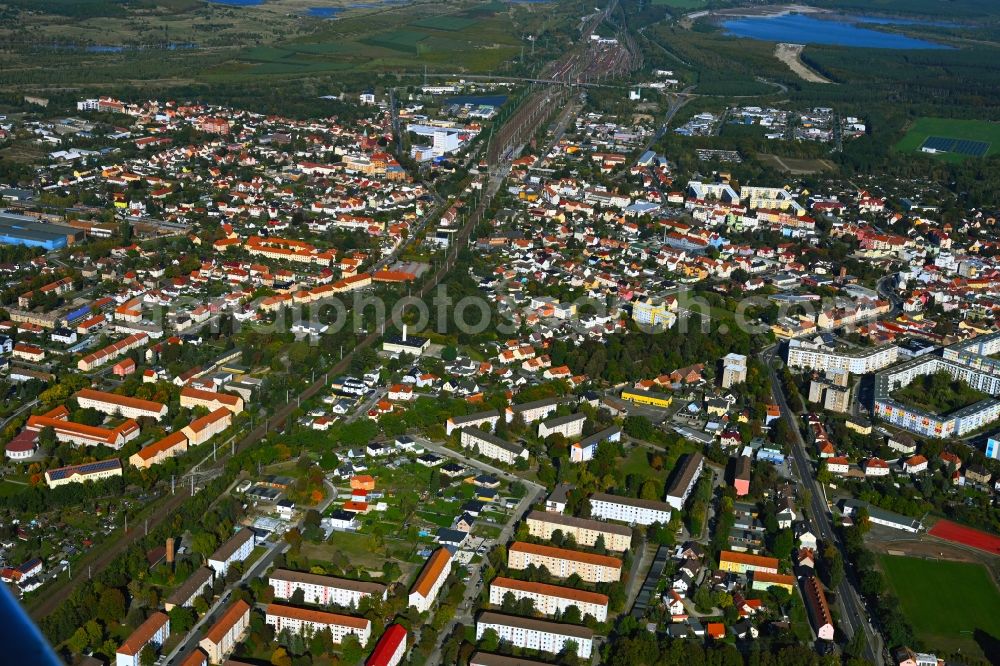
[(111, 607), (490, 641), (638, 427), (79, 641), (148, 655)]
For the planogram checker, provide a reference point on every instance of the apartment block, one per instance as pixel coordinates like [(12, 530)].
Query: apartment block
[(120, 405), (550, 599), (491, 446), (323, 590), (430, 580), (236, 549), (628, 509), (586, 532), (563, 562), (531, 634), (307, 621), (684, 478), (154, 631), (227, 632)]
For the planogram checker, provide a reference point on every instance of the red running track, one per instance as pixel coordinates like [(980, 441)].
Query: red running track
[(949, 531)]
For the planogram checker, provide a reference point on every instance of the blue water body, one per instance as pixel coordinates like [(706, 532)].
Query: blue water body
[(324, 12), (799, 28), (486, 100)]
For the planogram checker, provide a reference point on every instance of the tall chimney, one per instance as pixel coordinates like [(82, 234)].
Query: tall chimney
[(170, 550), (404, 332)]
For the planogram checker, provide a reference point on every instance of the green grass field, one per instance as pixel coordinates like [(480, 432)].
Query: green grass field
[(972, 130), (450, 23), (946, 602), (406, 41)]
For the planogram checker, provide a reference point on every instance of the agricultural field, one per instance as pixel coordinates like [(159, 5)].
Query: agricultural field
[(796, 166), (965, 600), (956, 140), (190, 43)]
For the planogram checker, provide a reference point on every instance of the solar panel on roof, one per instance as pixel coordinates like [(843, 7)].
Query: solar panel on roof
[(86, 468)]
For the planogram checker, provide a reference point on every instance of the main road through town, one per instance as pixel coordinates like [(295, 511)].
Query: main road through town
[(854, 618)]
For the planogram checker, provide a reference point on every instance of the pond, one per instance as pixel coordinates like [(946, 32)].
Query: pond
[(836, 31), (324, 12)]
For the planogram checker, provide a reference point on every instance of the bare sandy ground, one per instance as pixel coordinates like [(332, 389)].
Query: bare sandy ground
[(789, 54)]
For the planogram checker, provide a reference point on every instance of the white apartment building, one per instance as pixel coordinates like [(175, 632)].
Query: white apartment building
[(585, 449), (225, 634), (154, 631), (482, 420), (534, 634), (430, 580), (803, 354), (491, 446), (734, 370), (563, 563), (570, 425), (236, 549), (629, 510), (550, 599), (308, 621), (684, 479), (323, 590), (543, 524), (533, 411)]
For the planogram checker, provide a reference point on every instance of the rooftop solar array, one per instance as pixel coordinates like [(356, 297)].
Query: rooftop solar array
[(87, 468)]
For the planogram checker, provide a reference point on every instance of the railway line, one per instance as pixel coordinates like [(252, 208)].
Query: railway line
[(592, 61)]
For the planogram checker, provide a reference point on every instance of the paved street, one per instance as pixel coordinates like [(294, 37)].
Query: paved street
[(853, 616), (464, 612)]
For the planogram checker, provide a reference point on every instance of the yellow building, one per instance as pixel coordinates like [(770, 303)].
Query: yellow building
[(648, 398), (743, 562)]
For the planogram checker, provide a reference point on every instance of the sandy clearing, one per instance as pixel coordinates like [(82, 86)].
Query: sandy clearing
[(789, 54)]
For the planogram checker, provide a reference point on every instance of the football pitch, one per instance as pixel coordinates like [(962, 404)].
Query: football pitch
[(952, 139), (946, 602)]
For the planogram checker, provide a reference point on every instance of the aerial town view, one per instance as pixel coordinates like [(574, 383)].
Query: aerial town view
[(500, 332)]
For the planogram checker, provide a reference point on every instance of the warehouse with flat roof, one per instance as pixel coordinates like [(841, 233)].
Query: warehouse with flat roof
[(30, 232)]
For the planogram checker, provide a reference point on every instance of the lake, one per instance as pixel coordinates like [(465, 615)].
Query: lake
[(840, 31), (324, 12)]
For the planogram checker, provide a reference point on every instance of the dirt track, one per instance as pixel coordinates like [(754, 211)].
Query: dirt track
[(789, 54)]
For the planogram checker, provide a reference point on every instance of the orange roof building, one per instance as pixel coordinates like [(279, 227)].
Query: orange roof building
[(563, 562), (362, 482), (211, 400), (121, 405), (172, 445), (430, 580), (308, 621), (154, 631), (550, 599), (743, 562), (225, 634)]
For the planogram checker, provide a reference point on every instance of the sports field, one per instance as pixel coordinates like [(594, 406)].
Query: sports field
[(946, 602), (955, 140)]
